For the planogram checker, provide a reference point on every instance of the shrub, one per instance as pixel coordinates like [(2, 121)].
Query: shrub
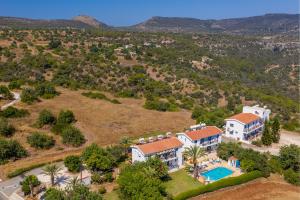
[(28, 96), (14, 85), (289, 157), (72, 136), (292, 177), (45, 117), (223, 183), (109, 177), (11, 149), (65, 117), (5, 93), (97, 178), (102, 190), (12, 112), (46, 90), (257, 143), (58, 128), (40, 141), (54, 43), (115, 101), (6, 129), (73, 163), (29, 183)]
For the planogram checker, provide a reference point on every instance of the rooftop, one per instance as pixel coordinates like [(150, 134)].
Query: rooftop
[(244, 118), (204, 132), (160, 145)]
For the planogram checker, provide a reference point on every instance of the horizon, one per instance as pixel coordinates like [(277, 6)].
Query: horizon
[(130, 12)]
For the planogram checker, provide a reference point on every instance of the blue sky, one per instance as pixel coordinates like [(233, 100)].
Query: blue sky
[(128, 12)]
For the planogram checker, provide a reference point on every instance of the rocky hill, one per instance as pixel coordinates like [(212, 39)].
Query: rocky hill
[(265, 24), (90, 21)]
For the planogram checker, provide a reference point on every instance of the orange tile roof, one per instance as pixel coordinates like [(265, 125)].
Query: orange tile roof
[(245, 118), (204, 132), (160, 145)]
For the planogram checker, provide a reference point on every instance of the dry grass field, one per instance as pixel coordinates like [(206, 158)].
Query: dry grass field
[(272, 188), (101, 122)]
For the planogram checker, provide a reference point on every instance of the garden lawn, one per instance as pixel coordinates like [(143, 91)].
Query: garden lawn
[(180, 182), (113, 195)]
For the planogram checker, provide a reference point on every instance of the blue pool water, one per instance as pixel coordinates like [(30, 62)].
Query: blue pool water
[(217, 173)]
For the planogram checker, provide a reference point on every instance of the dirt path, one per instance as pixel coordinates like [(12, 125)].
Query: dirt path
[(272, 188), (16, 100)]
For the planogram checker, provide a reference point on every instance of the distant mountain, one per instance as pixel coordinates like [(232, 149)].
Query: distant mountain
[(90, 21), (265, 24), (268, 24), (80, 22)]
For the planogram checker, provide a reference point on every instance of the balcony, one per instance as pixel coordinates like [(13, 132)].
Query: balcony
[(167, 157), (252, 128), (208, 143)]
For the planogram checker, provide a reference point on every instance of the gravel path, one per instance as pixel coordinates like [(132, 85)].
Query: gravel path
[(16, 100)]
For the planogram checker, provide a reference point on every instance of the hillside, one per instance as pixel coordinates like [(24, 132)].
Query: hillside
[(25, 23), (266, 24), (90, 21)]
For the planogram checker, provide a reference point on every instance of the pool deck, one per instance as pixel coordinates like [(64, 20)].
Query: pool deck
[(207, 160)]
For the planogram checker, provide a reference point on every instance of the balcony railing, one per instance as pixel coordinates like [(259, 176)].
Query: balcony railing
[(252, 128), (211, 142), (168, 157)]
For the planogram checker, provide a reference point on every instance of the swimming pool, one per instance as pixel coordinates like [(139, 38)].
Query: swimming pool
[(217, 173)]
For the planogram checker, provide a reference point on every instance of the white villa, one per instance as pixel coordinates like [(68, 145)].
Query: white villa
[(168, 149), (208, 137), (247, 125)]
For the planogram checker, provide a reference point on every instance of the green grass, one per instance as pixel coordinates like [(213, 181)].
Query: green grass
[(113, 195), (181, 182)]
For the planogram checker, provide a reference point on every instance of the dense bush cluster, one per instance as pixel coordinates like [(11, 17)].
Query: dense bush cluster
[(12, 112), (11, 149), (6, 129), (40, 141), (143, 180)]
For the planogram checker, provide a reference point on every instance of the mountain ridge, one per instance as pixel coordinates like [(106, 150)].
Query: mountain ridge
[(268, 24)]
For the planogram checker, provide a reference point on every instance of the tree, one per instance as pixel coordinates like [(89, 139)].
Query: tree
[(29, 183), (275, 130), (11, 149), (140, 181), (12, 112), (6, 129), (98, 159), (54, 43), (247, 165), (194, 153), (40, 141), (125, 142), (73, 163), (73, 136), (81, 192), (289, 157), (266, 136), (45, 117), (46, 90), (28, 96), (52, 171), (66, 117), (292, 177)]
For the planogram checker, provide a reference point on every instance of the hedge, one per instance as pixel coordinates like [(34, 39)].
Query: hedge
[(20, 171), (223, 183)]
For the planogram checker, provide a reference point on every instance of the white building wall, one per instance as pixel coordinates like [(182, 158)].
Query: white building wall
[(234, 129), (185, 140), (179, 156), (263, 113), (137, 156)]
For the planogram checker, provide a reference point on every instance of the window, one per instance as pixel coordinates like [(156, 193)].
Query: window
[(231, 125), (231, 132)]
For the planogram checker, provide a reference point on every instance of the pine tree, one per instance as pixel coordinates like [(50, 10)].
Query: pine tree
[(266, 136), (276, 130)]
